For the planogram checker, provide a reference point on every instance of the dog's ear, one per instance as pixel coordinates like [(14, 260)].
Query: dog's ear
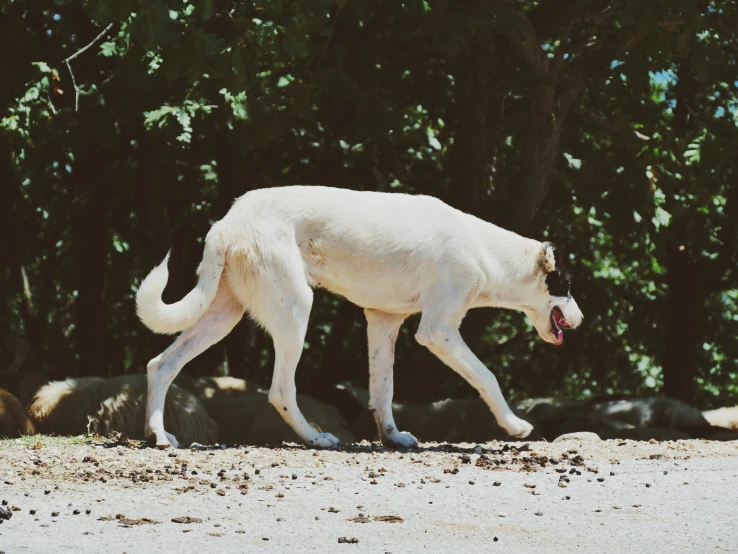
[(547, 257)]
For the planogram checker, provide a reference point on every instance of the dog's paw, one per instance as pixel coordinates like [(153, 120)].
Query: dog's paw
[(161, 440), (400, 439), (324, 440), (516, 427)]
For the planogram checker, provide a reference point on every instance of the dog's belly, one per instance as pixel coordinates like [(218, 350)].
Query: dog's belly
[(366, 291), (372, 286)]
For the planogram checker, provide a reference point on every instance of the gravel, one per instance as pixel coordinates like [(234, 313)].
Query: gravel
[(663, 497)]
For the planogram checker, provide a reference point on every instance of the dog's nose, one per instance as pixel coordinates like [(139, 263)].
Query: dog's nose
[(573, 315)]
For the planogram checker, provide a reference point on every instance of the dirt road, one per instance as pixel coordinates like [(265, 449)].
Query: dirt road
[(603, 496)]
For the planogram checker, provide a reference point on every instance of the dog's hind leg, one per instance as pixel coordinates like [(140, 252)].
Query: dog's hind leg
[(217, 321), (440, 333), (382, 329), (282, 300)]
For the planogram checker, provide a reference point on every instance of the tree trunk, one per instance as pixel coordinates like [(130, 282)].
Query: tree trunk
[(92, 240), (152, 180), (539, 165), (478, 130), (687, 280), (685, 317), (8, 281)]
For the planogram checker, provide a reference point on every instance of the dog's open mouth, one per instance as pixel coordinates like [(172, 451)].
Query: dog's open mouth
[(557, 322)]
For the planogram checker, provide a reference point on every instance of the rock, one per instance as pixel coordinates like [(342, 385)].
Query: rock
[(724, 436), (582, 436), (647, 434), (723, 417)]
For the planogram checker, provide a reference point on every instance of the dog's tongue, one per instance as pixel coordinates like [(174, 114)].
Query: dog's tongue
[(559, 332)]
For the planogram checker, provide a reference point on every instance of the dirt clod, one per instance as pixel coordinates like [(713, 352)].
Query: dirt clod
[(186, 519), (123, 520), (389, 519)]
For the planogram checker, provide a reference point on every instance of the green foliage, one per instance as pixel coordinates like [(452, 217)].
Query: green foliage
[(184, 106)]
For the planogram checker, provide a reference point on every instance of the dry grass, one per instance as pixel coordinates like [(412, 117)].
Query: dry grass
[(32, 441)]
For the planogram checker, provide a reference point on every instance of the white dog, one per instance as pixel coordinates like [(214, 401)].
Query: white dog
[(392, 254)]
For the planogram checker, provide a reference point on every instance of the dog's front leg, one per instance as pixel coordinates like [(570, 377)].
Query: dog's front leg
[(442, 337), (382, 329)]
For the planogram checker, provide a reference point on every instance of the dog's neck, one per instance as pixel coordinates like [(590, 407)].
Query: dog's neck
[(511, 269)]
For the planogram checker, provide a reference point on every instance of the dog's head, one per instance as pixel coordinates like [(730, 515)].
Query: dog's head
[(555, 308)]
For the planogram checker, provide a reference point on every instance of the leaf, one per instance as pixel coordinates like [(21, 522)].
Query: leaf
[(43, 67), (108, 49)]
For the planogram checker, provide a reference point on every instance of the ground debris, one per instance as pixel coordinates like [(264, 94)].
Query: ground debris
[(389, 519), (186, 519), (123, 520)]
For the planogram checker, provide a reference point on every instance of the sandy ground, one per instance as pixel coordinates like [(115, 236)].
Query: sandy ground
[(603, 496)]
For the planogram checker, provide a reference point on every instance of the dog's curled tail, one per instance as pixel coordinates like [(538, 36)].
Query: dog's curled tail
[(168, 319)]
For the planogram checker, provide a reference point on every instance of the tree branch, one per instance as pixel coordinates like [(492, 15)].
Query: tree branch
[(551, 15), (77, 53), (593, 59), (615, 129), (524, 42)]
